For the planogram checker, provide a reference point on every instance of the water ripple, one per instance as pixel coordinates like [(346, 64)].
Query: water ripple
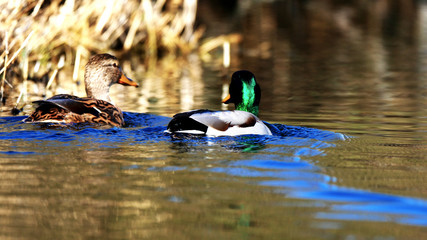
[(283, 162)]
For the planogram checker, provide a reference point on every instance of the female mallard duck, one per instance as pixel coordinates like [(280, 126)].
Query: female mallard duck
[(101, 72), (245, 93)]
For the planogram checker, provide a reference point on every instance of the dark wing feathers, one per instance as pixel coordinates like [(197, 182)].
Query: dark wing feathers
[(82, 105), (182, 122), (72, 109), (189, 113)]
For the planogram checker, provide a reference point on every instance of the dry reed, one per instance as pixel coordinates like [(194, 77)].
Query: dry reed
[(37, 37)]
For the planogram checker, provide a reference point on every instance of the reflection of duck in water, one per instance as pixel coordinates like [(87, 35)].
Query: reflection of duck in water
[(245, 93), (101, 72), (199, 143)]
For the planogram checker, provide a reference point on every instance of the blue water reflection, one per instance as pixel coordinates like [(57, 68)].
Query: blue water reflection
[(282, 162)]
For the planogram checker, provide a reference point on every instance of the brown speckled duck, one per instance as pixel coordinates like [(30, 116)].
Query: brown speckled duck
[(101, 72)]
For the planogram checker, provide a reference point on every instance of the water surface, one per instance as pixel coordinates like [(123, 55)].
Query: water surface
[(141, 182)]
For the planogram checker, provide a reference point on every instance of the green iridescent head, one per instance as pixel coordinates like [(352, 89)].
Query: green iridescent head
[(244, 91)]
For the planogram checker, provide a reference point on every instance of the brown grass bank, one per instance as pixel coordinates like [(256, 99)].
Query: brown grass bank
[(38, 38)]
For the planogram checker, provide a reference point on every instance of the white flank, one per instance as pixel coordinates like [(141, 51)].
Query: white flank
[(258, 129), (228, 117), (186, 131)]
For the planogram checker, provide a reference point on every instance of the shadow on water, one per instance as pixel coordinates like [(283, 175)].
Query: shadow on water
[(285, 162)]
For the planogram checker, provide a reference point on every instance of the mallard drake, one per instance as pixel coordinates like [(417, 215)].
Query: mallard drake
[(245, 93), (101, 72)]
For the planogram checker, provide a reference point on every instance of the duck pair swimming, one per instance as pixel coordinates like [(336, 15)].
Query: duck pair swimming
[(103, 70)]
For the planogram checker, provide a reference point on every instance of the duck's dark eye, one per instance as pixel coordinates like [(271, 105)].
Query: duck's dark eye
[(112, 65)]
